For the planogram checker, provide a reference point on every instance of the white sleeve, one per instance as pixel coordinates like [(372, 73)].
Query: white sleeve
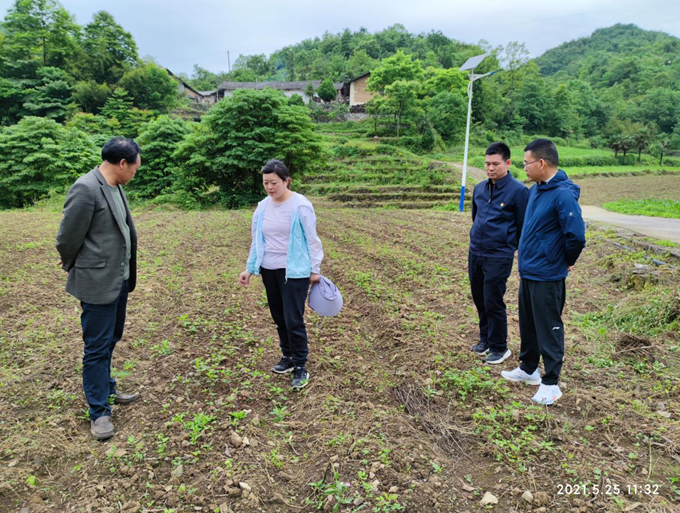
[(308, 220)]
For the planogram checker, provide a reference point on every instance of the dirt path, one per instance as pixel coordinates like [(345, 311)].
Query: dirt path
[(657, 227), (474, 173)]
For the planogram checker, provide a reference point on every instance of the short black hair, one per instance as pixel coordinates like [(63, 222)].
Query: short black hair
[(499, 148), (120, 148), (544, 149), (278, 167)]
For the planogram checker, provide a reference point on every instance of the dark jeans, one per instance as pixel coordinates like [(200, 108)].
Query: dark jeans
[(541, 328), (102, 329), (488, 280), (286, 300)]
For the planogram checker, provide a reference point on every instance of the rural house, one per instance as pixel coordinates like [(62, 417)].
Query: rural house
[(288, 88), (355, 89)]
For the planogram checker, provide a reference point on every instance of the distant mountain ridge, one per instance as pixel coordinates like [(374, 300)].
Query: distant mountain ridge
[(606, 43)]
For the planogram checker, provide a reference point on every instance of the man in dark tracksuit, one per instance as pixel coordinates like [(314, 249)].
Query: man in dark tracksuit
[(552, 240), (498, 206)]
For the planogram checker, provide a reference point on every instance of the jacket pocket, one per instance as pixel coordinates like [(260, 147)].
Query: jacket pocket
[(90, 263), (552, 251)]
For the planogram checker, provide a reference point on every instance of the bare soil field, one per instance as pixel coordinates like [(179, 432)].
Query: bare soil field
[(399, 415), (597, 190)]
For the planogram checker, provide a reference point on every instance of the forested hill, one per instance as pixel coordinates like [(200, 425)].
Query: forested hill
[(613, 54), (340, 56)]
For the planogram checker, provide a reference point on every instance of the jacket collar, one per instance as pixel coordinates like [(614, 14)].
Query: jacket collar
[(106, 189), (500, 183), (558, 179)]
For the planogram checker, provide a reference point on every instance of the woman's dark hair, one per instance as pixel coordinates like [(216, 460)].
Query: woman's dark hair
[(278, 167), (120, 148)]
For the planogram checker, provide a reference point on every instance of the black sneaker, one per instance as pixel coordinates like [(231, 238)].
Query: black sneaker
[(285, 365), (496, 358), (300, 378), (480, 349)]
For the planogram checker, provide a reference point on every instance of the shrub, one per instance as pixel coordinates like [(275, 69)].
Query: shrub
[(40, 155), (327, 91), (238, 136), (159, 140)]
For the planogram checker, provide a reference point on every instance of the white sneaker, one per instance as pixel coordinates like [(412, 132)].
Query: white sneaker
[(520, 376), (547, 394)]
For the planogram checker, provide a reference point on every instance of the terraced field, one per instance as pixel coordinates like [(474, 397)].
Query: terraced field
[(373, 172), (383, 180)]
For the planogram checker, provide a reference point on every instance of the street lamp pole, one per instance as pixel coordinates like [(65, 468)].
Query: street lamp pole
[(470, 64)]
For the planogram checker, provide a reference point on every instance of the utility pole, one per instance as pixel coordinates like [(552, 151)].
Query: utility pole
[(228, 61)]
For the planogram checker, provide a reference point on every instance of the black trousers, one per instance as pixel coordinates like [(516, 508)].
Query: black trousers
[(541, 328), (488, 280), (286, 300)]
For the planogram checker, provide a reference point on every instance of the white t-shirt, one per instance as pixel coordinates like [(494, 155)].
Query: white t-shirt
[(276, 232)]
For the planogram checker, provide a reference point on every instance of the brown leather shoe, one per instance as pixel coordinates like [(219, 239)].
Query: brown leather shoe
[(125, 398), (102, 428)]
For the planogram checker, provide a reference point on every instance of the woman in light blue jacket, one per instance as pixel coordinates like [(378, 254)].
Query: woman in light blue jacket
[(287, 252)]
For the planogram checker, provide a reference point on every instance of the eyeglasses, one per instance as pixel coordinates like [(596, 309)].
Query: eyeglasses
[(529, 163)]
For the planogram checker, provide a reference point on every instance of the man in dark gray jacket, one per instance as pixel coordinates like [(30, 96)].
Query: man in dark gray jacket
[(97, 243)]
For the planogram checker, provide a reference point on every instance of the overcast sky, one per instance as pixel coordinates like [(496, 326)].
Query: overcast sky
[(179, 34)]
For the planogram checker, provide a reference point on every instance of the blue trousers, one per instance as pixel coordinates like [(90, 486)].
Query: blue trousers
[(102, 329)]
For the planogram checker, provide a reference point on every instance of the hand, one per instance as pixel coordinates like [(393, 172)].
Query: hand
[(60, 264), (314, 278), (244, 278), (570, 268)]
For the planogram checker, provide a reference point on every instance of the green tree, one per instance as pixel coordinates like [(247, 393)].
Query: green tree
[(258, 64), (119, 107), (327, 91), (661, 106), (40, 155), (98, 128), (296, 99), (358, 64), (239, 135), (642, 138), (110, 50), (11, 100), (402, 97), (52, 97), (513, 57), (533, 103), (398, 67), (159, 140), (564, 121), (91, 96), (439, 80), (309, 90), (447, 113), (661, 146), (36, 33), (150, 87)]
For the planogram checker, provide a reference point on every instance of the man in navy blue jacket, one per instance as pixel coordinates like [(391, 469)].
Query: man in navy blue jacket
[(498, 206), (552, 240)]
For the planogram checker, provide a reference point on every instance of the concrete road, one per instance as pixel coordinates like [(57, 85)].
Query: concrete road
[(656, 227)]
